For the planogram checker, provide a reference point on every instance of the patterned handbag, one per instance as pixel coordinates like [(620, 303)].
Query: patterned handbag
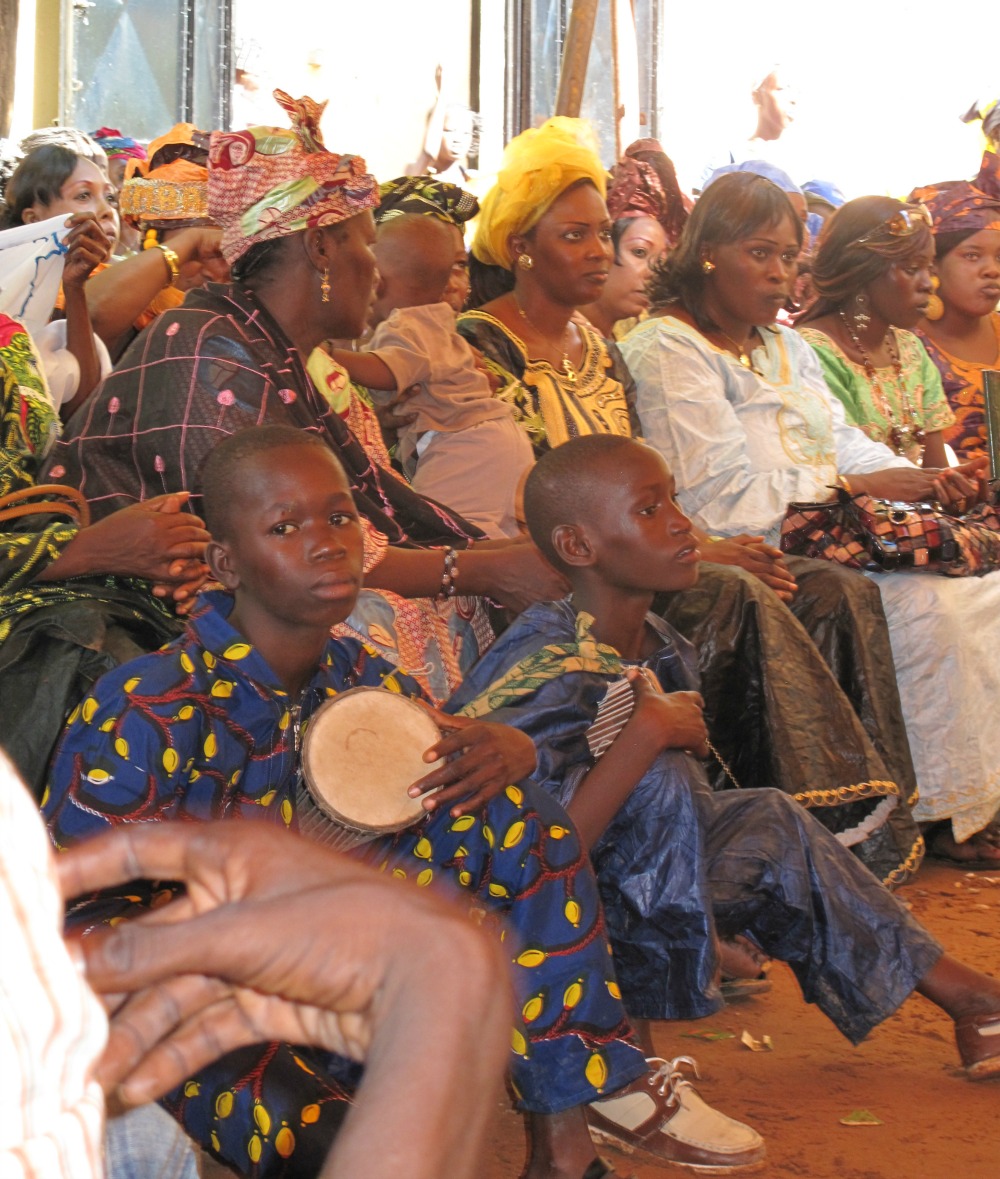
[(866, 533)]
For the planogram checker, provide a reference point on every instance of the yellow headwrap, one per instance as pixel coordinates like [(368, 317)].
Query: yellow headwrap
[(539, 165)]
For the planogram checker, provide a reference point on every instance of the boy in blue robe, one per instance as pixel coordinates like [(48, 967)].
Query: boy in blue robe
[(608, 693), (209, 727)]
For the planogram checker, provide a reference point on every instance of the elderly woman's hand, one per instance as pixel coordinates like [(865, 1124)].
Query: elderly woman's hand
[(154, 540), (517, 576)]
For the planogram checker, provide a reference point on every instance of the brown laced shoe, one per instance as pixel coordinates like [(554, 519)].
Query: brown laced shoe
[(663, 1114)]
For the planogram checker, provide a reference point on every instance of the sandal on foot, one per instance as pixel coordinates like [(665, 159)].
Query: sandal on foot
[(740, 988), (662, 1113), (978, 1040)]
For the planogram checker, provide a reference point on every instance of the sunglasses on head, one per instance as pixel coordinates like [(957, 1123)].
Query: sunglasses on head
[(902, 223)]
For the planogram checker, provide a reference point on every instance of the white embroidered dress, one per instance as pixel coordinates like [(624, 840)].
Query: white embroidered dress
[(742, 445)]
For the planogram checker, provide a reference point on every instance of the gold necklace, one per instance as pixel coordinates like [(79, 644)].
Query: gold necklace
[(905, 437), (743, 356), (567, 365)]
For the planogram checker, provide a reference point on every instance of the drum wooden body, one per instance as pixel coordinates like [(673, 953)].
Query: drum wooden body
[(362, 750)]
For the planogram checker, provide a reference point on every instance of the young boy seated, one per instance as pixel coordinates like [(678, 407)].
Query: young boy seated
[(608, 693), (208, 727), (460, 445)]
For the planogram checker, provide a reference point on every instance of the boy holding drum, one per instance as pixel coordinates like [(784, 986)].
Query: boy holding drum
[(209, 727)]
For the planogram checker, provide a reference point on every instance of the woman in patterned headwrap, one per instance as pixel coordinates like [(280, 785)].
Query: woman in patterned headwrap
[(961, 328), (297, 231)]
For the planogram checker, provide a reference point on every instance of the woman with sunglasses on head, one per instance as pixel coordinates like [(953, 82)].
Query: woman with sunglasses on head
[(961, 324), (741, 412), (873, 277)]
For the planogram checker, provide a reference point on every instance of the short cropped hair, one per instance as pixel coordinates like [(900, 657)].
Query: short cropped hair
[(223, 466), (563, 485)]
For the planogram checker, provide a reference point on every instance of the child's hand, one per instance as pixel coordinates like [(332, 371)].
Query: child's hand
[(492, 756), (87, 246), (675, 720)]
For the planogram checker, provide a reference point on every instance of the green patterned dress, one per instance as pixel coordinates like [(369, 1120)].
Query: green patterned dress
[(56, 637)]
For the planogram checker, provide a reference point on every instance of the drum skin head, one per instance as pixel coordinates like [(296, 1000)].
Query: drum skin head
[(362, 750)]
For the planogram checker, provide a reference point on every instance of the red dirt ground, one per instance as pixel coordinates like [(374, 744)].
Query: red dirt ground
[(936, 1125)]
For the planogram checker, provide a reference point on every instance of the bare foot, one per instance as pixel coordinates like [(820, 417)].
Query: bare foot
[(981, 848), (740, 958)]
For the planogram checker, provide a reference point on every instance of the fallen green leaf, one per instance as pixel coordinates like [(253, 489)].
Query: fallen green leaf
[(860, 1117)]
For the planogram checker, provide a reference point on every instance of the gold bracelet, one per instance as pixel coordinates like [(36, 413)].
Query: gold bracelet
[(172, 261), (842, 482)]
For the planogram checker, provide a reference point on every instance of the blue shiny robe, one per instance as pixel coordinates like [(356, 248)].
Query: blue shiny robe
[(679, 861)]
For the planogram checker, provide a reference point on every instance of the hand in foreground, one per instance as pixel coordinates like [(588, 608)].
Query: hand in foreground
[(87, 246), (490, 758), (764, 561), (676, 718), (280, 938)]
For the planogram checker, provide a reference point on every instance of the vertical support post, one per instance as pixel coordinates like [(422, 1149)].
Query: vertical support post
[(576, 54)]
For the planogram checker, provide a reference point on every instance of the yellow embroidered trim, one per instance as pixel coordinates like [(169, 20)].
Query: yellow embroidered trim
[(908, 866), (843, 794), (164, 200)]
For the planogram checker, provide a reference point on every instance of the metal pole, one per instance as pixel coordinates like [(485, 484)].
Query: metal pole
[(991, 392), (576, 53)]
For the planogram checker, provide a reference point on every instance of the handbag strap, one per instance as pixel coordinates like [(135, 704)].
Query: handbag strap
[(53, 499)]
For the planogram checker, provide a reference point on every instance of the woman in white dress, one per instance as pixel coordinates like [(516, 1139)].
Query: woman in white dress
[(740, 410)]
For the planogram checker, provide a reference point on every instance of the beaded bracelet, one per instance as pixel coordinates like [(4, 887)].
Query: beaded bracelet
[(449, 575)]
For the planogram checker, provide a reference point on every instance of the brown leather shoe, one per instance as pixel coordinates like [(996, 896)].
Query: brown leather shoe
[(663, 1114), (978, 1040)]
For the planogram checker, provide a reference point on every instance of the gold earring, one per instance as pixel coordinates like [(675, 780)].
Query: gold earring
[(708, 266), (324, 285), (525, 261), (935, 308)]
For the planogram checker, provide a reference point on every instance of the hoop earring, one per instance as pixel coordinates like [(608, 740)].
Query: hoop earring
[(324, 285), (525, 261), (708, 266), (860, 316)]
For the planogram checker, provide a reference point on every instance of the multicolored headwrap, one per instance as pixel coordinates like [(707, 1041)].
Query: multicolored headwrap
[(172, 185), (269, 182), (539, 165), (117, 146), (427, 197), (965, 206), (635, 191)]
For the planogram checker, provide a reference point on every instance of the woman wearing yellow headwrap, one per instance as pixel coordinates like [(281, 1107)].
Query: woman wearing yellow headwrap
[(542, 249)]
